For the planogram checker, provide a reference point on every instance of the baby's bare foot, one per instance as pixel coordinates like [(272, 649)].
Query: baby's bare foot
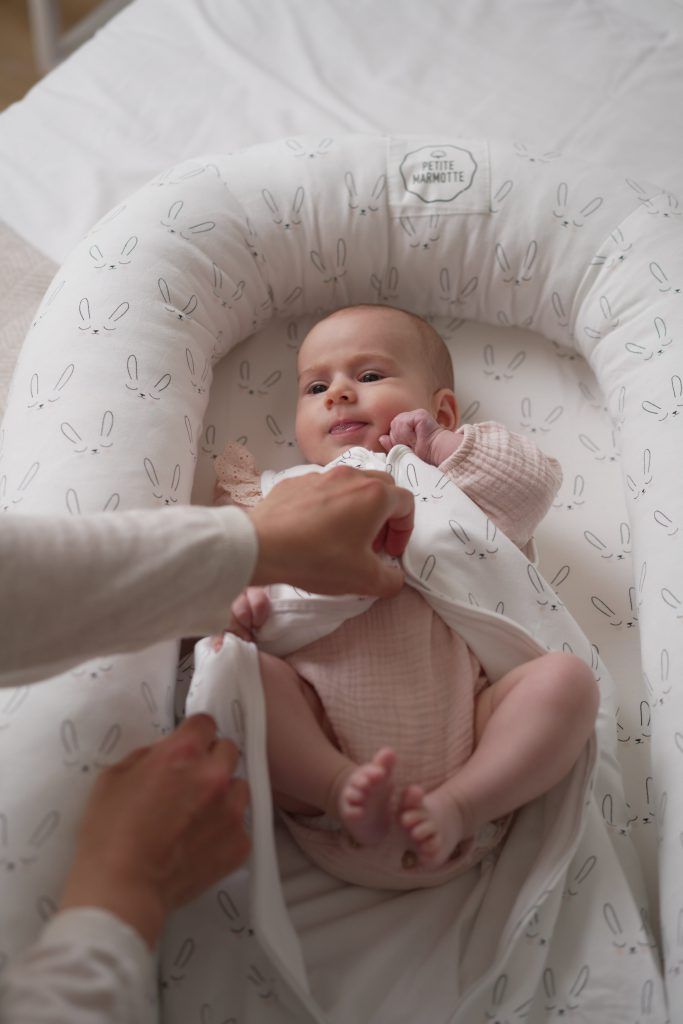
[(434, 825), (365, 798)]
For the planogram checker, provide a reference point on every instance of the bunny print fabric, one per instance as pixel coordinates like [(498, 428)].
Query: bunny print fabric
[(506, 626), (398, 676), (172, 328)]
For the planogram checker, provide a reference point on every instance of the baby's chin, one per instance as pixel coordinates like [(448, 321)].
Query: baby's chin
[(332, 450)]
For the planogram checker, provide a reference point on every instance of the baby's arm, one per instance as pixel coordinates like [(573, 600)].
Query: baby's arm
[(238, 483), (507, 475), (419, 430)]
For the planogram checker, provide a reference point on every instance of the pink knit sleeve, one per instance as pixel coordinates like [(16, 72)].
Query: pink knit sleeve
[(506, 475), (237, 480)]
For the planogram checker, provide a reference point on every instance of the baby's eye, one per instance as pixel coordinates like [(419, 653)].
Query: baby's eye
[(369, 376), (316, 389)]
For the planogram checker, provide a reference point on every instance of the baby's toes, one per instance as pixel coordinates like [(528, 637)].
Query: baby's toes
[(354, 794), (423, 831), (366, 777), (410, 819), (430, 854), (384, 759), (412, 798)]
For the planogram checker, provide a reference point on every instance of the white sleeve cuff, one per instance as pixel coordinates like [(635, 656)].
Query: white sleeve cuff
[(87, 967)]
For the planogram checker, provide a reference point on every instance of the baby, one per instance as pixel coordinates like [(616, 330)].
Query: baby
[(385, 739)]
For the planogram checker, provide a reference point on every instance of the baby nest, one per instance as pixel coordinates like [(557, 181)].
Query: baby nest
[(236, 256)]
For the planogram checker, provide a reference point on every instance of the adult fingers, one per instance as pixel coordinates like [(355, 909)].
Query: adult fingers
[(215, 848), (344, 509), (182, 765), (224, 812), (223, 757), (191, 788), (215, 844), (129, 761), (383, 580), (398, 534), (195, 735), (395, 501), (396, 515)]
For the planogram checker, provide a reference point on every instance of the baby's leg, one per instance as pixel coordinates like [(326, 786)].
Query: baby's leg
[(530, 727), (308, 772)]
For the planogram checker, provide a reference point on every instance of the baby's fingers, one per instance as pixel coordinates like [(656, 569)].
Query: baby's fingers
[(238, 629), (241, 611), (403, 431), (259, 604)]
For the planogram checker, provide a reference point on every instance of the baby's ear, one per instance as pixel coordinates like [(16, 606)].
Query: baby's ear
[(446, 412)]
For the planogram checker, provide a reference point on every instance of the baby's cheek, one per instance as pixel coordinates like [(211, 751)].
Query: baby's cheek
[(301, 432), (314, 449)]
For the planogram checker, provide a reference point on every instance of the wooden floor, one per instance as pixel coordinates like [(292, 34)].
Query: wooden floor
[(17, 69)]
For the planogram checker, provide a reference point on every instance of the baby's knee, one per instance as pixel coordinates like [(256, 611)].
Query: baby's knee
[(269, 664), (574, 684), (279, 677), (276, 671)]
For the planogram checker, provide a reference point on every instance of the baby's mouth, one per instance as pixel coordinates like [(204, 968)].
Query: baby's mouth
[(347, 426)]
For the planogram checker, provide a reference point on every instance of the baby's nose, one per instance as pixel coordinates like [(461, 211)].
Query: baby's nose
[(339, 394)]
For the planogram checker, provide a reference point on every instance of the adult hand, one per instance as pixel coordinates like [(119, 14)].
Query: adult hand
[(420, 432), (323, 532), (160, 827)]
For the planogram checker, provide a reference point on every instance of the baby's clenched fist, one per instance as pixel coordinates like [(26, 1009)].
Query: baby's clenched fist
[(420, 431)]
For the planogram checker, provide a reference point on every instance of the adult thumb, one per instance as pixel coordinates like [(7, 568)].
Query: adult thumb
[(388, 579)]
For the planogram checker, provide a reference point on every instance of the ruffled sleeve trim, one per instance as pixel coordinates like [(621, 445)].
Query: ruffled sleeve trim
[(238, 482)]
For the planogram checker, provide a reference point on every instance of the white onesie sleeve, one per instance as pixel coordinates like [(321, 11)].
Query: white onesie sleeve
[(73, 587), (88, 967)]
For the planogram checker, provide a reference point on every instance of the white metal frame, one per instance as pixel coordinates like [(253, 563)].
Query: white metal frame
[(50, 44)]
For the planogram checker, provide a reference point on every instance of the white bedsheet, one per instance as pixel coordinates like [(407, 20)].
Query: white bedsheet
[(169, 79)]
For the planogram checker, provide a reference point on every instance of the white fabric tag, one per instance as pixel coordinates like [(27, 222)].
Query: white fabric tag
[(430, 178)]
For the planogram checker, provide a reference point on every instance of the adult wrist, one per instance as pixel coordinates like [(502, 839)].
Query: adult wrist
[(134, 903), (274, 548), (240, 551)]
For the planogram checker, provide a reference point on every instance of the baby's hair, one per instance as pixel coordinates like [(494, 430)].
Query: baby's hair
[(437, 357)]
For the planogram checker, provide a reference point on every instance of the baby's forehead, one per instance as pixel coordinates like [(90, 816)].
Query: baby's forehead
[(387, 329), (378, 317)]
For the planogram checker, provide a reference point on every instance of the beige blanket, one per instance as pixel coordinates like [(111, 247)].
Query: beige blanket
[(25, 275)]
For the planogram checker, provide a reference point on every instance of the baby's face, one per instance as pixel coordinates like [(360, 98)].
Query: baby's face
[(356, 372)]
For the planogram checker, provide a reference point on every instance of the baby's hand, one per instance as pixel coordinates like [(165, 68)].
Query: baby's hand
[(419, 430), (248, 613)]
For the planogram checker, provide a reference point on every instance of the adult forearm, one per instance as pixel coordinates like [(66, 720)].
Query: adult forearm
[(77, 587)]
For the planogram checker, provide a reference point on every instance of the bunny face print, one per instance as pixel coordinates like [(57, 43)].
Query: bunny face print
[(358, 369)]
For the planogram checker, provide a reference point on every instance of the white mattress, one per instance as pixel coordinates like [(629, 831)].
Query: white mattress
[(169, 79)]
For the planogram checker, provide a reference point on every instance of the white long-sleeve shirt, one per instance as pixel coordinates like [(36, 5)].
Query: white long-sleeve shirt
[(72, 588), (87, 967)]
